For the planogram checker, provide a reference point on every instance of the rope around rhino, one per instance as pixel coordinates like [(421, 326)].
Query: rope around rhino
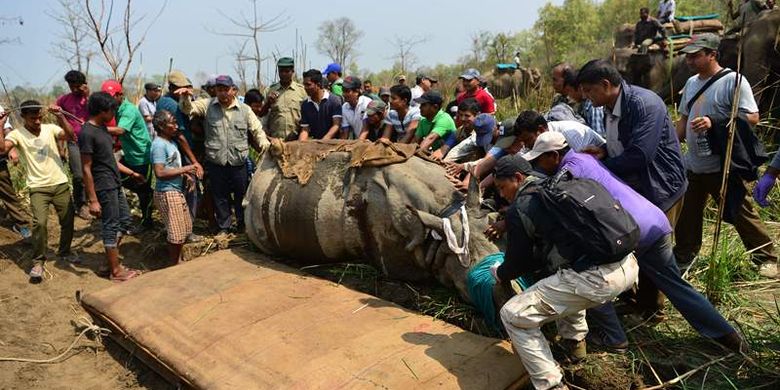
[(89, 327)]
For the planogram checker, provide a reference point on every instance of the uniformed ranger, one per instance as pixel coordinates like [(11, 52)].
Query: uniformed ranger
[(283, 102)]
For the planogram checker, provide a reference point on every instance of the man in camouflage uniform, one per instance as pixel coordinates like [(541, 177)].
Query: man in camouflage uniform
[(283, 102)]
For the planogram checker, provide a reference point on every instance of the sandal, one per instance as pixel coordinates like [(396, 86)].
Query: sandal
[(125, 275)]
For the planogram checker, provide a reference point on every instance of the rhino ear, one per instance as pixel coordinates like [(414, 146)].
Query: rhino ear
[(473, 195), (429, 221)]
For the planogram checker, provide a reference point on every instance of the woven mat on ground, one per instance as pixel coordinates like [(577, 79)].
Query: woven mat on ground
[(297, 159), (236, 320)]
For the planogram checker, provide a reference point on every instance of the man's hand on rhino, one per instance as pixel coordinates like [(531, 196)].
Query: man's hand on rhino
[(437, 155), (453, 169), (496, 230)]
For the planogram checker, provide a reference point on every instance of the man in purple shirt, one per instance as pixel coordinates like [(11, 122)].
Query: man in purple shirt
[(75, 103), (654, 254)]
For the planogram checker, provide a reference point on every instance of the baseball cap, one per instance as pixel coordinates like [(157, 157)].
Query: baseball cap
[(285, 62), (375, 107), (507, 166), (351, 82), (152, 86), (112, 87), (702, 41), (432, 79), (549, 141), (332, 67), (224, 80), (178, 79), (433, 97), (384, 91), (484, 124), (469, 74)]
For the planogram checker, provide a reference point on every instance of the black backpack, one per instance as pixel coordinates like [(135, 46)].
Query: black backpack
[(594, 227)]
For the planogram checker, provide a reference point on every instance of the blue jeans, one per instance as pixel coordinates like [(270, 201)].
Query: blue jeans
[(228, 186), (658, 264), (114, 216)]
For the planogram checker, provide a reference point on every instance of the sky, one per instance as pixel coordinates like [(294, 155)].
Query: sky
[(184, 32)]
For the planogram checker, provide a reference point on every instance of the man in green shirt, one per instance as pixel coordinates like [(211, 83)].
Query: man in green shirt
[(333, 74), (435, 126), (283, 102), (136, 143)]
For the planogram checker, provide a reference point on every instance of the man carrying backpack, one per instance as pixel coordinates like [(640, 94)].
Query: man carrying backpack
[(551, 155), (569, 281)]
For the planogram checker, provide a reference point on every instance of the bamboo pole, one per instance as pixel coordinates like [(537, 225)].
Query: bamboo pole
[(729, 148)]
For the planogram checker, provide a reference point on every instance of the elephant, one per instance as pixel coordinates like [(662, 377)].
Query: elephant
[(652, 71), (760, 58), (513, 82)]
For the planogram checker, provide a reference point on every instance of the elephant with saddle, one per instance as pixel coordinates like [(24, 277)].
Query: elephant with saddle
[(760, 58), (511, 81), (404, 218)]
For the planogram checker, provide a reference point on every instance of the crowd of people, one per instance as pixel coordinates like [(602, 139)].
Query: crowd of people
[(182, 153)]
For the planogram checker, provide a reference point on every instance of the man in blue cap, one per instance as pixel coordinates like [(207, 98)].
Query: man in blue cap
[(229, 127), (485, 130), (333, 74)]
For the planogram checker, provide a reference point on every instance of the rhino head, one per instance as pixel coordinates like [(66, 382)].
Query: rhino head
[(436, 256)]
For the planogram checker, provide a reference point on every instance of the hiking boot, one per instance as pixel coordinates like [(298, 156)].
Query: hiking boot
[(84, 213), (71, 257), (23, 231), (574, 350), (596, 339), (36, 274), (734, 342)]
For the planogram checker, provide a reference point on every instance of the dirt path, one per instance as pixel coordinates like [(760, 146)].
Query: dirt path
[(39, 321)]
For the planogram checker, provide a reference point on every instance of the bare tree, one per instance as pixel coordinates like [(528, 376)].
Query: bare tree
[(251, 28), (338, 40), (117, 51), (239, 65), (479, 44), (71, 47), (404, 55)]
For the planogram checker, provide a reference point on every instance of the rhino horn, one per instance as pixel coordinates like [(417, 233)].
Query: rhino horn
[(473, 195), (428, 221)]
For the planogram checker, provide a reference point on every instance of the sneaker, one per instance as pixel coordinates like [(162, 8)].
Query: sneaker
[(768, 270), (36, 274), (23, 231), (71, 257), (192, 238), (595, 338), (84, 213)]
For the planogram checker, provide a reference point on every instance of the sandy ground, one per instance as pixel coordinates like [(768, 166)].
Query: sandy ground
[(40, 321)]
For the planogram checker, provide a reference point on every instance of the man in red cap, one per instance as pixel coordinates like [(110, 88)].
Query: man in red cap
[(136, 143)]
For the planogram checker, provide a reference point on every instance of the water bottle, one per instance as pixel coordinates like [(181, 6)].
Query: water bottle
[(703, 145)]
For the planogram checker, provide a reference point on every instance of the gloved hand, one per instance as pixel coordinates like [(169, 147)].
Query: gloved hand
[(762, 189), (494, 271)]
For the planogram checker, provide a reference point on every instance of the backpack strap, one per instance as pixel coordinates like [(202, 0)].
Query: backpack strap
[(704, 87)]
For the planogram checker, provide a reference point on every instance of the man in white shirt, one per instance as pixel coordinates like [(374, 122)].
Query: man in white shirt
[(666, 11), (353, 111)]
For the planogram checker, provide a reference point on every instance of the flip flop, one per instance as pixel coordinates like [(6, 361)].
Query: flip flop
[(127, 274)]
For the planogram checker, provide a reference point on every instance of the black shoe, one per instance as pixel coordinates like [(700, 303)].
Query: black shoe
[(734, 342)]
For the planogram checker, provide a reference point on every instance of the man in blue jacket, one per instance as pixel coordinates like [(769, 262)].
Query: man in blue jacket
[(642, 149)]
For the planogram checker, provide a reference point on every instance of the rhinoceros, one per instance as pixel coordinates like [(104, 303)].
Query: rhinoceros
[(388, 216)]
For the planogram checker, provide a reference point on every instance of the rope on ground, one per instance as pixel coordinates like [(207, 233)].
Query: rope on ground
[(88, 327)]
